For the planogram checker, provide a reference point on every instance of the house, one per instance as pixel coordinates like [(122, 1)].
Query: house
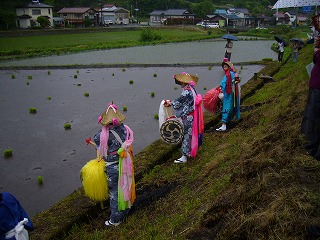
[(78, 16), (27, 15), (112, 14), (235, 17), (244, 15), (281, 18), (159, 16), (263, 20), (224, 20)]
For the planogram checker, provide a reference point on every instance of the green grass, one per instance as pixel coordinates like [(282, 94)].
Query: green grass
[(7, 153), (32, 110), (28, 46), (40, 180), (67, 126)]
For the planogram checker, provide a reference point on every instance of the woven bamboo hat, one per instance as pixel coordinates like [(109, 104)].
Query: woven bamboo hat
[(186, 78), (111, 116), (228, 63)]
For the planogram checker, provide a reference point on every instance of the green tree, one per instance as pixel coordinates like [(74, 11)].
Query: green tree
[(7, 20), (203, 8), (43, 21)]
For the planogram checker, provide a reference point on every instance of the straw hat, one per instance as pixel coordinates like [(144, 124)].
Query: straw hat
[(230, 65), (111, 116), (186, 78)]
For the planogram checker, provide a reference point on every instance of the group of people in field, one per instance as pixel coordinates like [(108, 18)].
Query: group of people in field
[(113, 143)]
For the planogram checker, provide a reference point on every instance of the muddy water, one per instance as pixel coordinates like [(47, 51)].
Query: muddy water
[(42, 147), (210, 51)]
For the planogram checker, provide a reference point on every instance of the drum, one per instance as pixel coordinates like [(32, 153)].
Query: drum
[(171, 131)]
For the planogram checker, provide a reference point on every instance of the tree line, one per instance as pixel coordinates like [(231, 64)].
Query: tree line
[(140, 8)]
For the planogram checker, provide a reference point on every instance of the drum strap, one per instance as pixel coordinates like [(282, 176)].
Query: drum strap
[(168, 112), (116, 136)]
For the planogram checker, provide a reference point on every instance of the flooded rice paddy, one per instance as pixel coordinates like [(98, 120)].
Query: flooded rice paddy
[(42, 147)]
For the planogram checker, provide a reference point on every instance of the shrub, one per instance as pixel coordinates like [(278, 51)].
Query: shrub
[(86, 94), (75, 76), (131, 81), (123, 69), (7, 153), (13, 76), (155, 75), (43, 21), (49, 72), (49, 98), (156, 116), (149, 35), (32, 110), (209, 68), (152, 94), (67, 126), (205, 88), (124, 108), (267, 59), (29, 77)]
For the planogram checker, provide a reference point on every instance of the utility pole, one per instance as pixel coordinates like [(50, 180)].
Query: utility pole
[(101, 24)]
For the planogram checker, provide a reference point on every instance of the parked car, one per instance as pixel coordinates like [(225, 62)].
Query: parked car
[(210, 25), (200, 23), (107, 22)]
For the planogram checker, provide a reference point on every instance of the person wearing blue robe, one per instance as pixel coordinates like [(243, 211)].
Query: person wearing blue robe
[(11, 214), (230, 101)]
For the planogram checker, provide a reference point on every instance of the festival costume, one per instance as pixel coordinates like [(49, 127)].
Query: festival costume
[(231, 95), (113, 142), (14, 221), (310, 126), (189, 108)]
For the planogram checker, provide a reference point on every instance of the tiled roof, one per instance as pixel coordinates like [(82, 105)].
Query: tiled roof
[(36, 5), (172, 12), (157, 12), (74, 10)]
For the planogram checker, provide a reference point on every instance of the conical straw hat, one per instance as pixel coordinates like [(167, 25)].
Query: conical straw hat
[(186, 78), (112, 113)]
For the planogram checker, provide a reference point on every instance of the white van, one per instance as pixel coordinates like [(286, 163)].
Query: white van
[(210, 25)]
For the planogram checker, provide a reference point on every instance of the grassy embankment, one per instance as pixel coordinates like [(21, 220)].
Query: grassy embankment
[(253, 182), (55, 44)]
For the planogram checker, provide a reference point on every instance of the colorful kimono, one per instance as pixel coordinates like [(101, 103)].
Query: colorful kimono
[(231, 102), (14, 221), (118, 186), (189, 108)]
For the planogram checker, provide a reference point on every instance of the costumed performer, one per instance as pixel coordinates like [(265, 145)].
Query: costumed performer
[(188, 107), (14, 221), (113, 142), (230, 95), (310, 126)]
